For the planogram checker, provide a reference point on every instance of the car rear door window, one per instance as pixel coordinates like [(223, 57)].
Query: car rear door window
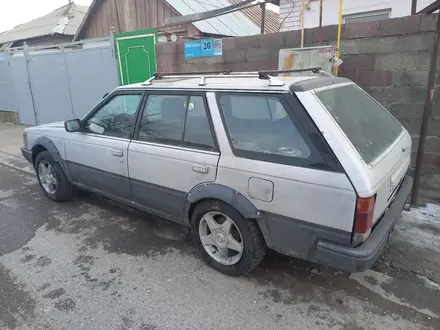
[(259, 127), (198, 132), (179, 120)]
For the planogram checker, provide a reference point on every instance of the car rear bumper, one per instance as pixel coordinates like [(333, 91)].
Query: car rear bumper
[(27, 154), (357, 259)]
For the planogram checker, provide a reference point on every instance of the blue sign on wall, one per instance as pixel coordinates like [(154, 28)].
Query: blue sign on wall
[(203, 48)]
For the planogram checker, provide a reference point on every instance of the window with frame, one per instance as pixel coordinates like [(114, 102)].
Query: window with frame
[(260, 127), (179, 120), (367, 16), (116, 117)]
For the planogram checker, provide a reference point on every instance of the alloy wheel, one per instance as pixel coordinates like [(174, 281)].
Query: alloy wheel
[(221, 238), (47, 177)]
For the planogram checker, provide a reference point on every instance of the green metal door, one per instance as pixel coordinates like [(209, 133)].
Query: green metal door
[(136, 55)]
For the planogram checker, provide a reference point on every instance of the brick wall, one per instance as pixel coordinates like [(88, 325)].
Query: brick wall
[(389, 59), (290, 15)]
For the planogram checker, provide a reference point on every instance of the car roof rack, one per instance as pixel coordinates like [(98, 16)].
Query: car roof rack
[(203, 75)]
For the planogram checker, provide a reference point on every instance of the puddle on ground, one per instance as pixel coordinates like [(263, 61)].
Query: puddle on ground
[(6, 193), (101, 222), (294, 281), (171, 231)]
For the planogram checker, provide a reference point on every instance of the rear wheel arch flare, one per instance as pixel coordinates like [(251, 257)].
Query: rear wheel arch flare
[(214, 191)]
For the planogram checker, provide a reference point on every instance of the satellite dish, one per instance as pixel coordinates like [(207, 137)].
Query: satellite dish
[(174, 37), (163, 39)]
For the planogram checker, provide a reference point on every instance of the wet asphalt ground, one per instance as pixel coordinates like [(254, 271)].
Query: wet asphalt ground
[(93, 264)]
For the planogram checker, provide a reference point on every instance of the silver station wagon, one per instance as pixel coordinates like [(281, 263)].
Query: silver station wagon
[(309, 166)]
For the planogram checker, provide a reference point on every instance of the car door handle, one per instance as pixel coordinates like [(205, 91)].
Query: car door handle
[(117, 153), (200, 168)]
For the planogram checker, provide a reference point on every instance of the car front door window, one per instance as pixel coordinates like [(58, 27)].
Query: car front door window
[(116, 117)]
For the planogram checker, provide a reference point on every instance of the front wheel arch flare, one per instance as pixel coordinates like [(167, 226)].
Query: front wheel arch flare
[(47, 144), (43, 143)]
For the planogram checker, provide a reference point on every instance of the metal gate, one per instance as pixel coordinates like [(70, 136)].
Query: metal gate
[(55, 83), (24, 104), (7, 101)]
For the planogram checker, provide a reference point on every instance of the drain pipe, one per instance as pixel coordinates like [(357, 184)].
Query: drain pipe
[(338, 45), (426, 114), (320, 23)]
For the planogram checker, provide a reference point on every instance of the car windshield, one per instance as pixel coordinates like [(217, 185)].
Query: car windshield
[(369, 127)]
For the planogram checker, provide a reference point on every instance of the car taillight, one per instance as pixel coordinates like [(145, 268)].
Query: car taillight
[(364, 216)]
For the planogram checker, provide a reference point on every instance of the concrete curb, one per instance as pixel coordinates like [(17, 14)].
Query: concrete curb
[(16, 162)]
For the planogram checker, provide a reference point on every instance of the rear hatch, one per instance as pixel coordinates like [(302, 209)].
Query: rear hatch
[(381, 143)]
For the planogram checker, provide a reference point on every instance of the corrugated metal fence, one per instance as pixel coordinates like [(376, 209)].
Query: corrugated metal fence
[(6, 86), (46, 84)]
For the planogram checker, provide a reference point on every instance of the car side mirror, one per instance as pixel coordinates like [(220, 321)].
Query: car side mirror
[(73, 125)]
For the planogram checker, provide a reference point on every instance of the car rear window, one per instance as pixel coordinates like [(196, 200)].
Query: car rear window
[(369, 127), (259, 127)]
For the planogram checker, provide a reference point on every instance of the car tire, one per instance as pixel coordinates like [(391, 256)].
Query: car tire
[(244, 231), (59, 190)]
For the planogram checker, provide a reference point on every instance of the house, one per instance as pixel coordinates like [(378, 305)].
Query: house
[(132, 15), (271, 21), (352, 11), (57, 27)]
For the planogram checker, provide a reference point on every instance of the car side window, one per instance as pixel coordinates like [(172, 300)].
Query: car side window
[(198, 132), (240, 108), (179, 120), (116, 117), (259, 127)]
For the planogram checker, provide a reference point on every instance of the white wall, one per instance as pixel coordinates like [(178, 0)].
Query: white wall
[(331, 10), (290, 13)]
